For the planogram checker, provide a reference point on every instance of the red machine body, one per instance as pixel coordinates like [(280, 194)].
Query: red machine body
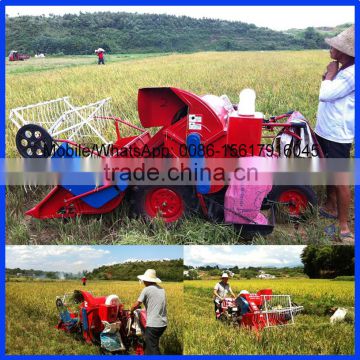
[(100, 320), (184, 119), (260, 310), (15, 56)]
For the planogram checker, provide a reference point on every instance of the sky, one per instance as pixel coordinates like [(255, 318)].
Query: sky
[(73, 259), (273, 17), (244, 255)]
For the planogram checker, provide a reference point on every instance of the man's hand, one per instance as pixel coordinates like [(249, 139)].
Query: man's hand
[(332, 70), (135, 306)]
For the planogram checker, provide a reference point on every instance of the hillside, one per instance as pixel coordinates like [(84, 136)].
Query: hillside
[(314, 37), (166, 270), (325, 31), (142, 33)]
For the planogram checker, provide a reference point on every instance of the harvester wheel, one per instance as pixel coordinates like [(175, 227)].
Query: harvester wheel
[(170, 203), (298, 200)]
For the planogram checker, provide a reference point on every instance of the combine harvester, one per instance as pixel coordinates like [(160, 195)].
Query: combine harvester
[(16, 56), (206, 127), (259, 311), (102, 321)]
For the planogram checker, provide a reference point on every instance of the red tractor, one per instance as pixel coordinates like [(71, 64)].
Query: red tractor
[(258, 311), (102, 321), (205, 130), (16, 56)]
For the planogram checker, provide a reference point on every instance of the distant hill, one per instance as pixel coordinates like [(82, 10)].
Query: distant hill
[(166, 270), (325, 31), (314, 37), (211, 271), (142, 33), (40, 274)]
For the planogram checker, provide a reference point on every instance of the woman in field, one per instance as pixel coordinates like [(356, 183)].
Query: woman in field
[(100, 54), (335, 126)]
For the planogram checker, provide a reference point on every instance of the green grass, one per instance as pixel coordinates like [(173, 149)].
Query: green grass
[(345, 278), (118, 227), (311, 334), (57, 62)]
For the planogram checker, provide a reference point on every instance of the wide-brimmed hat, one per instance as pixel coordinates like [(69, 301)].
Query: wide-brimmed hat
[(344, 42), (224, 275), (149, 276)]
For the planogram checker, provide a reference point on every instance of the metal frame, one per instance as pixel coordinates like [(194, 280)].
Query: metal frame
[(60, 116), (278, 306)]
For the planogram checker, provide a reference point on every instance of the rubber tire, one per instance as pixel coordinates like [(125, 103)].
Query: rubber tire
[(306, 190), (187, 194)]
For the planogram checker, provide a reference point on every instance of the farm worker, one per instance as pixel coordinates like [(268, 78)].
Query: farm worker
[(100, 54), (221, 290), (335, 126), (154, 299), (84, 279)]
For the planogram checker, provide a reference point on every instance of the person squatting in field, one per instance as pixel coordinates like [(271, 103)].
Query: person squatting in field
[(335, 126), (154, 299), (221, 290)]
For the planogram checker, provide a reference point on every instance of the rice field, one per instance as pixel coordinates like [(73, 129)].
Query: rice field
[(31, 315), (312, 332), (283, 80)]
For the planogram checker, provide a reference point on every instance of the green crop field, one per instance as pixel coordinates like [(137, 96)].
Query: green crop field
[(283, 80), (312, 332), (31, 315)]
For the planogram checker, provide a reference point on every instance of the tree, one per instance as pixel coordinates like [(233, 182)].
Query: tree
[(138, 33), (313, 39), (328, 261), (193, 275)]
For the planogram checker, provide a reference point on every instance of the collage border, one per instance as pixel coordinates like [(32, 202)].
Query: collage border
[(4, 3)]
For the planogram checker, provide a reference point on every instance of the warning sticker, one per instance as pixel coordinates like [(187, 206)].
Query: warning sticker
[(195, 118), (195, 122), (194, 126)]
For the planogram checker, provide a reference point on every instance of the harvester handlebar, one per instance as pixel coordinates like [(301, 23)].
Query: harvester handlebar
[(274, 119)]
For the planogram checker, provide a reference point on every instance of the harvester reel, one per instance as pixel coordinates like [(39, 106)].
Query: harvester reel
[(33, 141)]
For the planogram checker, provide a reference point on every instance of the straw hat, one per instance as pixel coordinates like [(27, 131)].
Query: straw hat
[(224, 275), (149, 276), (344, 42)]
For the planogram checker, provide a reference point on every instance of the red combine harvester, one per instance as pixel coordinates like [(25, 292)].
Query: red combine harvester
[(259, 311), (16, 56), (102, 321), (207, 128)]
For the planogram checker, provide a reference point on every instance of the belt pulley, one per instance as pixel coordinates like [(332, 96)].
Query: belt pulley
[(33, 141)]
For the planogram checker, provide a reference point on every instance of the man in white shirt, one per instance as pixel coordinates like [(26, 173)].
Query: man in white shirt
[(335, 125), (154, 299), (221, 290)]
